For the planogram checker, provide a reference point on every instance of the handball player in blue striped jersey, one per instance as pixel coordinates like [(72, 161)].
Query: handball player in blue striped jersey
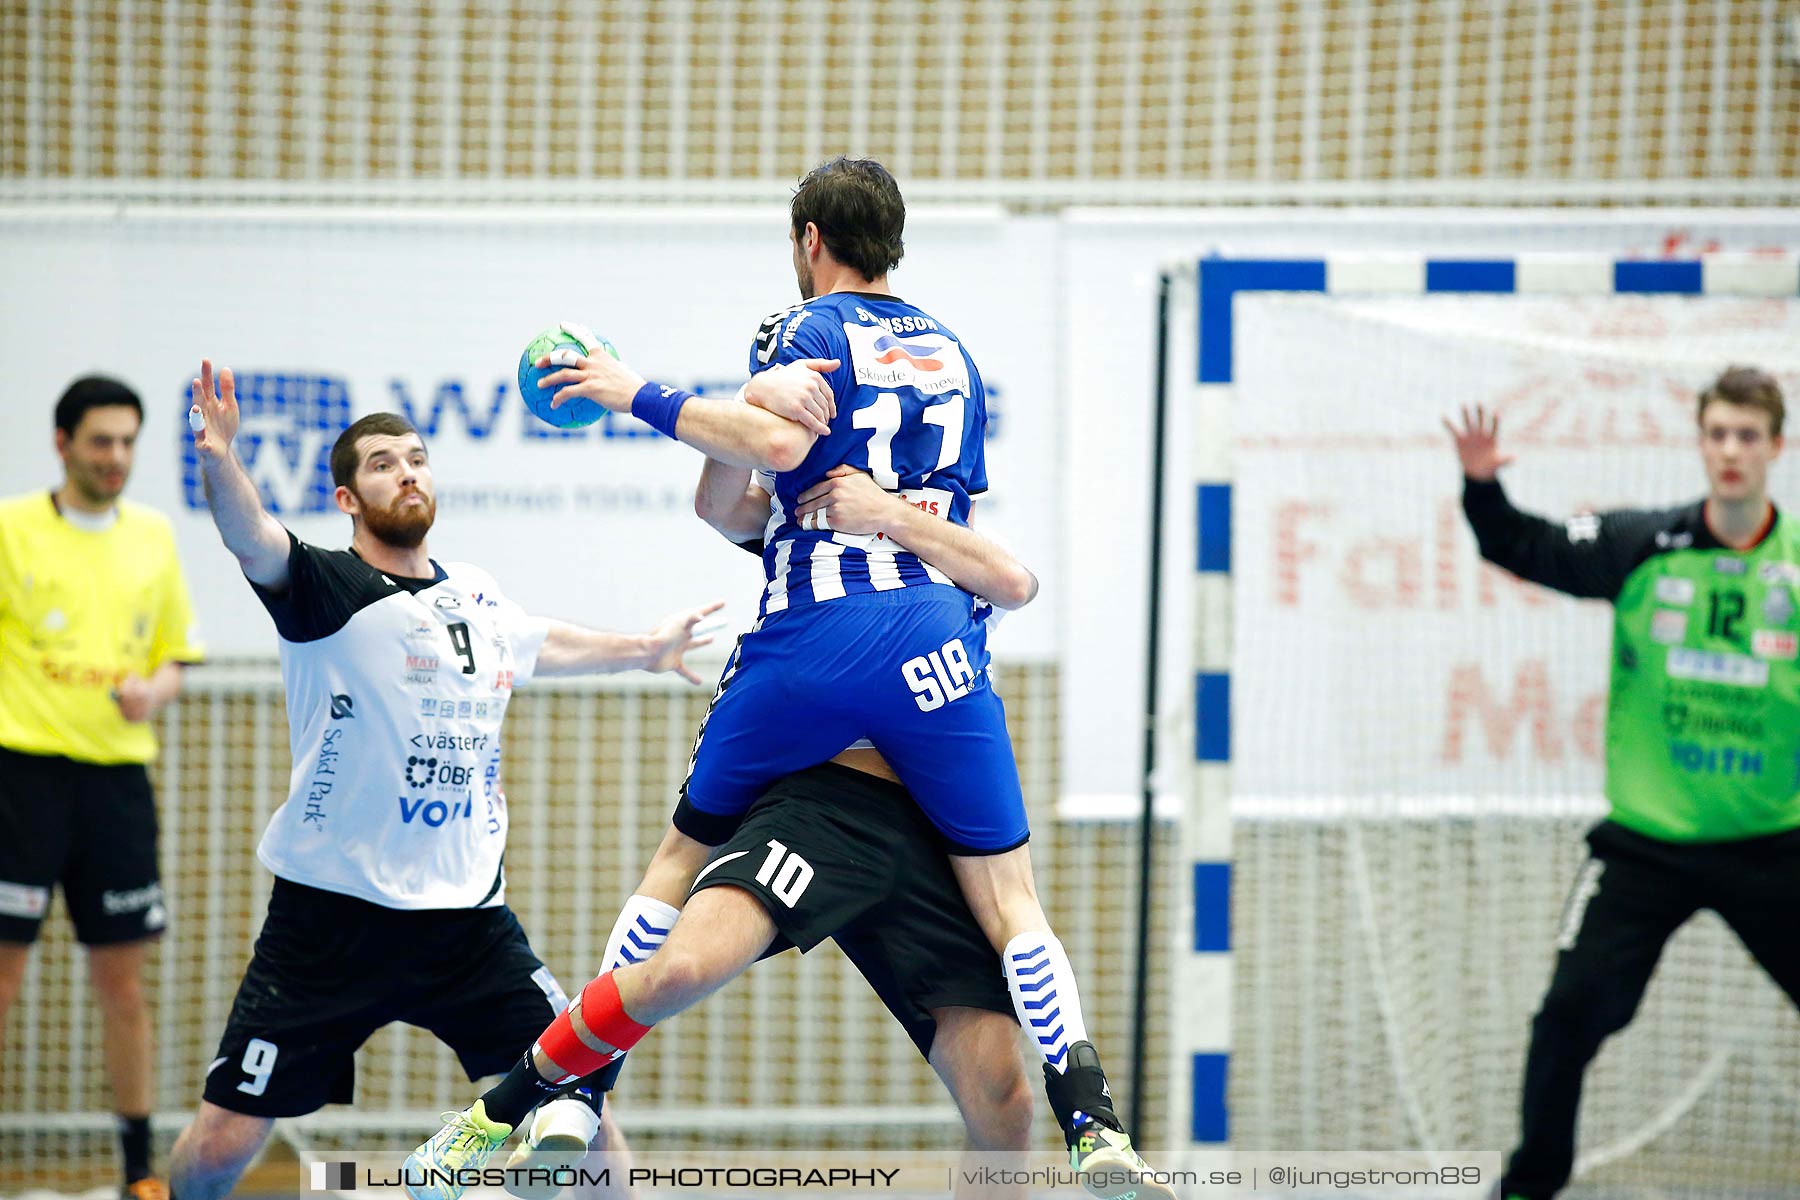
[(857, 641)]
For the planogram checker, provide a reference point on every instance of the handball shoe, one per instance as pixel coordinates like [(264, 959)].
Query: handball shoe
[(465, 1143), (1112, 1169), (557, 1139)]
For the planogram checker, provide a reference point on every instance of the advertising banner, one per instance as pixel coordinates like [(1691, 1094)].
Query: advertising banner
[(327, 316)]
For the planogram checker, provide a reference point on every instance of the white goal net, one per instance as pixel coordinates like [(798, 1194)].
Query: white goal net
[(1417, 736)]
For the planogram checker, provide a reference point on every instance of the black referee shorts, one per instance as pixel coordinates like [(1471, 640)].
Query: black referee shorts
[(832, 852), (89, 828), (329, 970)]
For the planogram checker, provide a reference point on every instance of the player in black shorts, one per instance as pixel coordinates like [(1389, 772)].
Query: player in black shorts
[(829, 849), (841, 853), (389, 902), (837, 853)]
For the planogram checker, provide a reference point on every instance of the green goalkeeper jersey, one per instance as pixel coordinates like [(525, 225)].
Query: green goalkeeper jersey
[(1703, 717)]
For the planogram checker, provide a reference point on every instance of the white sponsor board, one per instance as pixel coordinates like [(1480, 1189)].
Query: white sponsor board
[(326, 316)]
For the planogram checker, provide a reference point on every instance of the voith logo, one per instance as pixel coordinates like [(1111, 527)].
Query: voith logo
[(287, 424), (890, 349)]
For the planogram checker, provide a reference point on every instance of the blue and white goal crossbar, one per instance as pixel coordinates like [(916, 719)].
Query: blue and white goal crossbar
[(1220, 279), (1203, 983)]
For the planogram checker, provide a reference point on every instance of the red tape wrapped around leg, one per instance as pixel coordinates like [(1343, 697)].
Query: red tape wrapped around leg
[(603, 1013)]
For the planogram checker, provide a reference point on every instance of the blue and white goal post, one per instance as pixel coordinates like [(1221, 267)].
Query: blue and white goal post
[(1328, 699)]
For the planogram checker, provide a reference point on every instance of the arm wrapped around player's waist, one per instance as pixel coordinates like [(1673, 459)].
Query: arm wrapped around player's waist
[(732, 501), (849, 503), (977, 563)]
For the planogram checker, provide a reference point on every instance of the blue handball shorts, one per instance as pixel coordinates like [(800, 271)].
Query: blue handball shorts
[(906, 669)]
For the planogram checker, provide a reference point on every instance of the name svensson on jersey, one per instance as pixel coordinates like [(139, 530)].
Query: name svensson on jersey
[(911, 411), (396, 690)]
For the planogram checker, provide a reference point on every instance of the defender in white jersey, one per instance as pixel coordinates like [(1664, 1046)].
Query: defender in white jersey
[(389, 896)]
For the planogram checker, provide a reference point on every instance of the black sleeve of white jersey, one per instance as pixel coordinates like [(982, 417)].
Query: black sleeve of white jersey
[(325, 589), (1588, 555)]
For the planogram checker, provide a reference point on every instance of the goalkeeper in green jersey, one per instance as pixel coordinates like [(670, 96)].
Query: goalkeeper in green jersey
[(1702, 736)]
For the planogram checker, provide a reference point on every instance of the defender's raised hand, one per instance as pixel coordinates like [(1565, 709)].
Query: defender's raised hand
[(1477, 443), (672, 639), (214, 415)]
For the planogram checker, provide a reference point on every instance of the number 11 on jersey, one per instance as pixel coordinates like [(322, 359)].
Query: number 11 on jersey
[(883, 417)]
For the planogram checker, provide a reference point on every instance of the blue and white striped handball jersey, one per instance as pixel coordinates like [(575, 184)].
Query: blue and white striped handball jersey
[(911, 411)]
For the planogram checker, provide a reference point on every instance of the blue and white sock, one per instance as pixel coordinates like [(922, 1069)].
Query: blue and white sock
[(1044, 995), (643, 926)]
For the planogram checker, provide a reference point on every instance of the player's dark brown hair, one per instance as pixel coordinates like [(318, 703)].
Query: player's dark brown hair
[(1752, 389), (857, 206), (90, 392), (346, 454)]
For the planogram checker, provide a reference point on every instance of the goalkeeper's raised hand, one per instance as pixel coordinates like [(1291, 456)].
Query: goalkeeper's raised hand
[(1477, 442)]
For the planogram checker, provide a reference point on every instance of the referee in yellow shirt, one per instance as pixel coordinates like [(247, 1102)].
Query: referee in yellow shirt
[(95, 623)]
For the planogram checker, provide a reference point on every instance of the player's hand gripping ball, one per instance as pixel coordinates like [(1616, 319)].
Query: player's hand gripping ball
[(562, 343)]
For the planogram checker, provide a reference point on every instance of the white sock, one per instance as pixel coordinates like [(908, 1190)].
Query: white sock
[(643, 926), (641, 929), (1044, 995)]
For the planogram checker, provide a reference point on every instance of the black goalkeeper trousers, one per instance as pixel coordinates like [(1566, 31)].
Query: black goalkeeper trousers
[(1629, 898)]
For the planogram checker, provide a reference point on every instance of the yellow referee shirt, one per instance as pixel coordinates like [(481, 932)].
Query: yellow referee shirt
[(79, 611)]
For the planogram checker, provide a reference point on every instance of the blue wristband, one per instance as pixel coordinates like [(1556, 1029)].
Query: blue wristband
[(659, 406)]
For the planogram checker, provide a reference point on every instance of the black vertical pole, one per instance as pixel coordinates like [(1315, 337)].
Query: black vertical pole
[(1147, 821)]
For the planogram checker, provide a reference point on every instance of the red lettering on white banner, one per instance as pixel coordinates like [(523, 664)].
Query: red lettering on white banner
[(1532, 705)]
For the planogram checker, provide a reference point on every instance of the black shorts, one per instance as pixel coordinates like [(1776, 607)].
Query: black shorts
[(88, 827), (329, 970), (832, 852)]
